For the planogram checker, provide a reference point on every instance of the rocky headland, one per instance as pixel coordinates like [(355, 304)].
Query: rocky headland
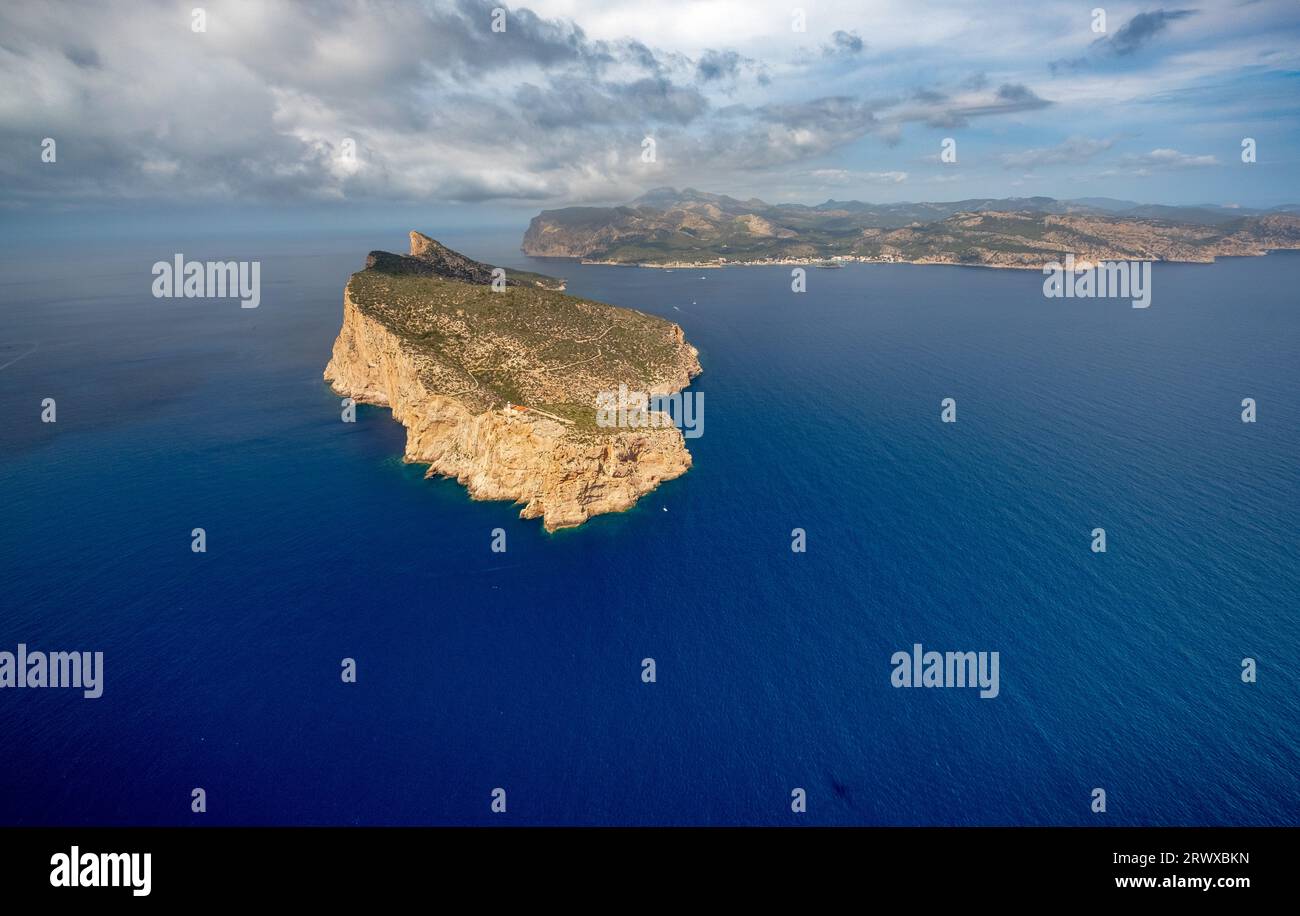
[(497, 387)]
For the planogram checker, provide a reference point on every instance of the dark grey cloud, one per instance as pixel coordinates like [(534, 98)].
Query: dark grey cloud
[(717, 65), (83, 57), (1130, 38), (728, 67), (744, 138), (1019, 94), (844, 43), (464, 34), (1010, 98), (833, 113), (573, 102), (1143, 27), (641, 55)]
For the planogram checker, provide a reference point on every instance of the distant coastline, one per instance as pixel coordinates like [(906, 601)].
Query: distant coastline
[(695, 230), (844, 261)]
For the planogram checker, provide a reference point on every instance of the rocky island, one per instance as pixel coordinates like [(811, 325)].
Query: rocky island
[(671, 228), (497, 385)]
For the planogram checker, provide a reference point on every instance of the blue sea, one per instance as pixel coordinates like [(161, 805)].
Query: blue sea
[(479, 670)]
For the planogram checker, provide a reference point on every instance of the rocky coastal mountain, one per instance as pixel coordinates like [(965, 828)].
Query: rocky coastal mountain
[(430, 258), (670, 228), (498, 387)]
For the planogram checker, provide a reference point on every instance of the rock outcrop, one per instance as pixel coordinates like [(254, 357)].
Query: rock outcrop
[(430, 258), (498, 388)]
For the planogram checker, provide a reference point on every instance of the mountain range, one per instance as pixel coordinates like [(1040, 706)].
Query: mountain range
[(667, 228)]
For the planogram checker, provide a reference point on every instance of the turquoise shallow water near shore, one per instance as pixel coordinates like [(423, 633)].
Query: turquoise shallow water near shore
[(478, 670)]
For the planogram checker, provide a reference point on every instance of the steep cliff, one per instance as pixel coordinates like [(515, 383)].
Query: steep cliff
[(498, 388)]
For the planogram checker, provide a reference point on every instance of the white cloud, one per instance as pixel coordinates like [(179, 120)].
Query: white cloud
[(1073, 151), (850, 177), (1160, 160)]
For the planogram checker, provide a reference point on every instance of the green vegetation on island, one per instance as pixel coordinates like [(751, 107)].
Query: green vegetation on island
[(522, 344)]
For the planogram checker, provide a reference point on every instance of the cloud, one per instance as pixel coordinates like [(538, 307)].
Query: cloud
[(939, 110), (851, 177), (1160, 160), (566, 101), (782, 133), (1143, 27), (1130, 38), (437, 105), (1073, 151), (846, 43), (931, 96), (727, 66), (1172, 159), (83, 57), (440, 107), (716, 65)]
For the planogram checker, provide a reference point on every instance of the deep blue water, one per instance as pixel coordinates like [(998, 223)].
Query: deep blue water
[(477, 670)]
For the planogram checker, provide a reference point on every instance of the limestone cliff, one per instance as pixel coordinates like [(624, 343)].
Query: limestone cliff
[(497, 388)]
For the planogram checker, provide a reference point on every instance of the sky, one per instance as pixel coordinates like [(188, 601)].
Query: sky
[(359, 110)]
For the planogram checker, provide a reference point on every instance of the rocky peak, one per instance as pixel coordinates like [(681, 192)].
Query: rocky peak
[(431, 258), (446, 263)]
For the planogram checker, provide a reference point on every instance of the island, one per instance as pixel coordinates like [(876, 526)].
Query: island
[(497, 383), (670, 228)]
